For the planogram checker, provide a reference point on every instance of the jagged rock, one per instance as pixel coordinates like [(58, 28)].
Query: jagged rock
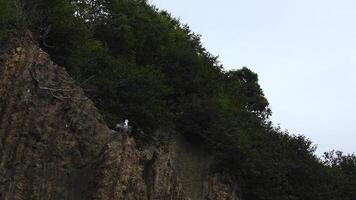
[(221, 187), (50, 133), (56, 146)]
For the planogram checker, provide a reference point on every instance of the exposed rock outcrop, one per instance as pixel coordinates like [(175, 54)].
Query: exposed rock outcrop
[(54, 144), (123, 174), (221, 187), (50, 132), (192, 165)]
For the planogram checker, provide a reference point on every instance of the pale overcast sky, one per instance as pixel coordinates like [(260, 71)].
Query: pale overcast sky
[(304, 52)]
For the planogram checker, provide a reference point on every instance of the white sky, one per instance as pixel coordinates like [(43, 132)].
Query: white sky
[(304, 52)]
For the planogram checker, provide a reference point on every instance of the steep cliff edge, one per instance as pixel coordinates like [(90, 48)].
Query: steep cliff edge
[(55, 145)]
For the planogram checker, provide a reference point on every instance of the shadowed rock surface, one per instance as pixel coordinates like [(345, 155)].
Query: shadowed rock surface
[(55, 145)]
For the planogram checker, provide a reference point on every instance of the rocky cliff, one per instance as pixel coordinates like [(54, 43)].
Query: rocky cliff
[(54, 144)]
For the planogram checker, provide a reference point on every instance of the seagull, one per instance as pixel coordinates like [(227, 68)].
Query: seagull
[(124, 126)]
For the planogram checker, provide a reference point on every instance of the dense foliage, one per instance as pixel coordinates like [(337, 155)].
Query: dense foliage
[(139, 63)]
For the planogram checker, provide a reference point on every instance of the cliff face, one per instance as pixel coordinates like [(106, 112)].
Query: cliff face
[(55, 145)]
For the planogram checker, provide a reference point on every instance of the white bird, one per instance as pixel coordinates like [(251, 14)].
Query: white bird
[(126, 123), (124, 126)]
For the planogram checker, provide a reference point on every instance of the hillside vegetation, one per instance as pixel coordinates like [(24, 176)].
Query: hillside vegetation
[(140, 63)]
